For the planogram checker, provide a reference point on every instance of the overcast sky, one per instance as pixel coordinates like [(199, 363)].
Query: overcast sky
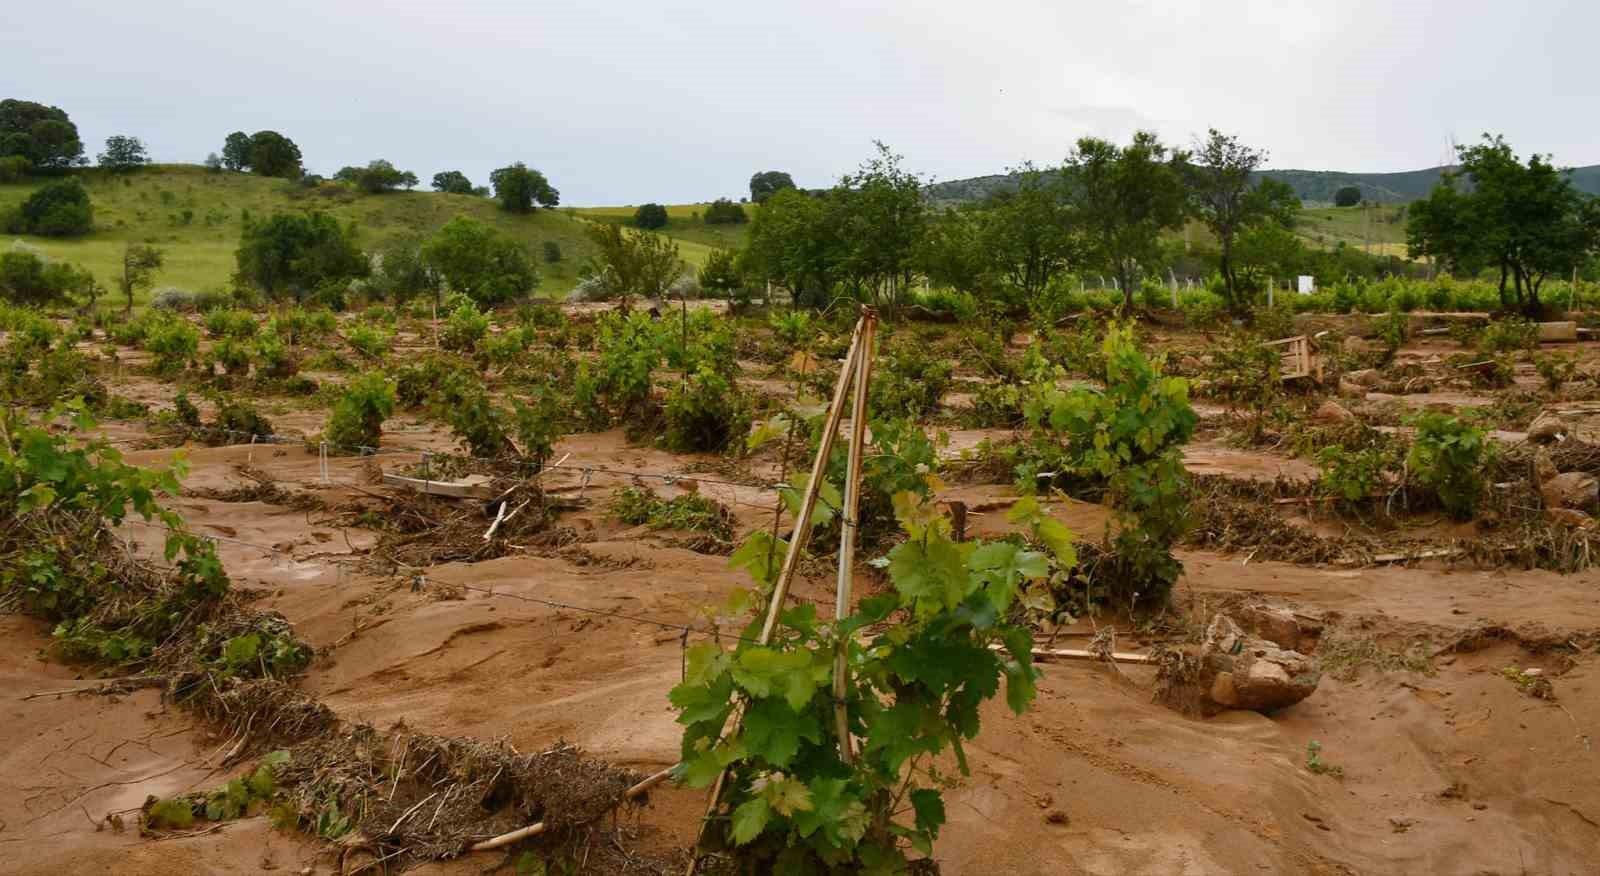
[(623, 102)]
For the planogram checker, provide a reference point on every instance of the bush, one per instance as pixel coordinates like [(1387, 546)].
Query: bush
[(1448, 457), (231, 324), (232, 355), (650, 216), (1509, 335), (275, 361), (1556, 369), (705, 414), (370, 341), (725, 212), (13, 168), (911, 384), (464, 328), (357, 421), (552, 252), (172, 299), (480, 426), (173, 342), (60, 209)]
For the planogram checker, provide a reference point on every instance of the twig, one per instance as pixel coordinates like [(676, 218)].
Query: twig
[(407, 814)]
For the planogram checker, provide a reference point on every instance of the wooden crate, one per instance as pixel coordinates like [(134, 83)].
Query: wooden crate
[(1298, 362)]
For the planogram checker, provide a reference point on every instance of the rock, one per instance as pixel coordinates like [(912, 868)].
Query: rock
[(1573, 489), (1547, 428), (1279, 626), (1568, 517), (1544, 468), (1351, 390), (1245, 672), (1056, 816), (1332, 413), (1368, 377)]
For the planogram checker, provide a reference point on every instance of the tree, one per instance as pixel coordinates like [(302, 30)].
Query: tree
[(725, 212), (213, 162), (377, 177), (720, 273), (650, 216), (453, 182), (767, 183), (885, 217), (292, 253), (272, 154), (123, 154), (480, 262), (29, 280), (42, 134), (1347, 196), (518, 188), (1227, 202), (1030, 232), (139, 264), (1124, 198), (403, 272), (60, 209), (1525, 219), (797, 241), (632, 262), (236, 151)]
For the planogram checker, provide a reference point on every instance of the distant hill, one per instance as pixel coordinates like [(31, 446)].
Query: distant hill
[(1313, 186)]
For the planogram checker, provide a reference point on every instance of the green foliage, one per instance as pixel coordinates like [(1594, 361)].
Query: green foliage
[(357, 420), (370, 341), (1124, 197), (480, 262), (632, 262), (244, 796), (1129, 438), (26, 279), (1525, 220), (59, 209), (1508, 336), (1233, 202), (767, 183), (232, 356), (238, 420), (705, 413), (13, 168), (725, 212), (650, 217), (42, 135), (173, 341), (912, 383), (453, 182), (377, 177), (480, 425), (914, 691), (720, 274), (290, 253), (231, 324), (1354, 475), (1244, 372), (267, 153), (1347, 196), (552, 252), (1556, 369), (464, 328), (518, 188), (123, 154), (1449, 457), (690, 512), (794, 328), (1316, 764)]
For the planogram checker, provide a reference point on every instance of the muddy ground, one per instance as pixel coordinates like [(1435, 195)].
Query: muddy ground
[(1447, 765)]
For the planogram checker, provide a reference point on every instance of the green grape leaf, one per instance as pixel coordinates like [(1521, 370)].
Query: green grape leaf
[(750, 819), (929, 806), (773, 731)]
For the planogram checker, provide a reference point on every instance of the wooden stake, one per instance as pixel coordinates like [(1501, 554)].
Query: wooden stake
[(847, 530), (791, 560)]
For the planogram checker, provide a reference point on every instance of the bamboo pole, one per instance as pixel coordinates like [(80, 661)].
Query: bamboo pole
[(847, 530), (791, 560)]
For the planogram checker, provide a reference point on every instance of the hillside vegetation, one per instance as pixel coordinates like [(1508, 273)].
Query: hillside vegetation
[(686, 225), (194, 215)]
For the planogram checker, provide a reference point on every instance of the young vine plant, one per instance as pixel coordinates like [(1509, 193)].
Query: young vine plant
[(922, 659)]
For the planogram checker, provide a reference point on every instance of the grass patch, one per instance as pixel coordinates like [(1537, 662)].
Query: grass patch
[(691, 512)]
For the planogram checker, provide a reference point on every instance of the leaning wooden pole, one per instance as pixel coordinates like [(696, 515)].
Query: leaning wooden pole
[(847, 531), (797, 541)]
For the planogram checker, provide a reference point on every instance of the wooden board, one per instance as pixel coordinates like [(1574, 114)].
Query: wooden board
[(474, 487), (1557, 332)]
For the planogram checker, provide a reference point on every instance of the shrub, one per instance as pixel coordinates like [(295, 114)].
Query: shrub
[(552, 252), (538, 426), (232, 355), (238, 419), (911, 384), (464, 328), (725, 212), (705, 413), (480, 426), (1353, 475), (13, 168), (370, 341), (357, 421), (1509, 335), (650, 216), (173, 342), (172, 299), (1556, 369), (1448, 457), (691, 512), (275, 361), (59, 209), (231, 324), (793, 327), (1244, 373)]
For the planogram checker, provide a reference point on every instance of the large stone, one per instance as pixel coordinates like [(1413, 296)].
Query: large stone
[(1368, 377), (1574, 489), (1246, 672), (1332, 413), (1547, 428), (1280, 626), (1347, 389)]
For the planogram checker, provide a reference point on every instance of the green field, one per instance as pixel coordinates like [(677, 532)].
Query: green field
[(194, 215)]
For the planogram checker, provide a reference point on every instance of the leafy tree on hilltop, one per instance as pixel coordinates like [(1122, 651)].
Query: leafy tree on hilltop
[(480, 262), (272, 154), (236, 151), (518, 188), (377, 177), (452, 181), (650, 216), (767, 183), (123, 154), (42, 134), (1227, 202), (290, 253), (60, 209), (1347, 196), (1525, 219)]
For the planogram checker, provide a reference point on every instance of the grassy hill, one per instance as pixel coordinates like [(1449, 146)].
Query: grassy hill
[(1315, 187), (194, 215)]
